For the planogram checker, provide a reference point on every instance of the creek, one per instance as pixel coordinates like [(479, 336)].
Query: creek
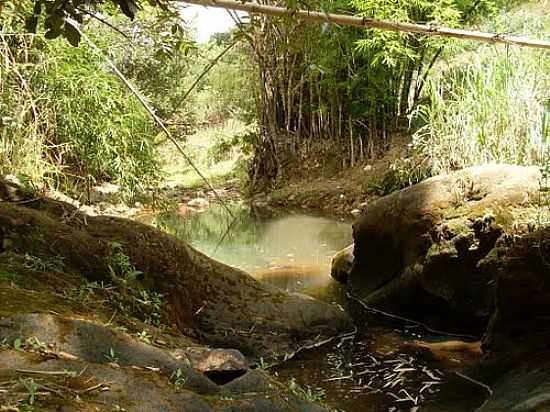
[(389, 365)]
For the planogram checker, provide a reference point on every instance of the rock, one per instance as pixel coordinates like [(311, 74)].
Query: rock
[(342, 263), (367, 168), (220, 365), (225, 307), (198, 203), (522, 388), (90, 342), (106, 192), (134, 389), (520, 321), (11, 189), (417, 250)]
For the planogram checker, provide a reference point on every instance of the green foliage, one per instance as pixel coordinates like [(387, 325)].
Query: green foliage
[(228, 91), (107, 133), (178, 378), (306, 392), (151, 303), (145, 336), (159, 57), (53, 264), (64, 119), (57, 16), (401, 174), (120, 265), (220, 151), (489, 105), (394, 49), (111, 356)]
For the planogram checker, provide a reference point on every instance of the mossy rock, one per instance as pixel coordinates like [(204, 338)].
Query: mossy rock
[(444, 225)]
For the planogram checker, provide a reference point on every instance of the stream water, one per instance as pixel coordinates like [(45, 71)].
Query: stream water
[(387, 366)]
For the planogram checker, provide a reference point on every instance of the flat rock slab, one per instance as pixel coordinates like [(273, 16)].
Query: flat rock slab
[(83, 387), (90, 342)]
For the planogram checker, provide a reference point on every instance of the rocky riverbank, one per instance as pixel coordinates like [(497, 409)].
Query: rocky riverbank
[(95, 308), (463, 252)]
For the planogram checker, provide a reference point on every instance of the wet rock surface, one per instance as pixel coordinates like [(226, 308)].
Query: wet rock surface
[(516, 340), (342, 263)]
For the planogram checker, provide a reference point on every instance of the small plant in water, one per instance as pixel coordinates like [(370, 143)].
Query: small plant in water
[(306, 392), (178, 378)]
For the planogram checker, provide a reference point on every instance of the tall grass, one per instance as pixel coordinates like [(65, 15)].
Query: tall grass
[(23, 127), (67, 122), (490, 104)]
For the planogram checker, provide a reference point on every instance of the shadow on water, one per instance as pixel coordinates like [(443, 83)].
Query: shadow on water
[(387, 366)]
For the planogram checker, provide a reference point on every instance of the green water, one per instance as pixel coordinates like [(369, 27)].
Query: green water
[(292, 251), (382, 368)]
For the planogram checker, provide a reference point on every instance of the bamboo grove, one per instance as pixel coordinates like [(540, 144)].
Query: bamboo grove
[(342, 91)]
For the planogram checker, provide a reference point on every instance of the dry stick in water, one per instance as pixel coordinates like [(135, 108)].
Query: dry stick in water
[(366, 22), (149, 110)]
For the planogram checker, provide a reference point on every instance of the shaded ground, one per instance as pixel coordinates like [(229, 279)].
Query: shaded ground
[(314, 186)]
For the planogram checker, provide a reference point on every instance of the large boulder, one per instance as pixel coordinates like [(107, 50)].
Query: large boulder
[(200, 297), (516, 340), (417, 250), (521, 320)]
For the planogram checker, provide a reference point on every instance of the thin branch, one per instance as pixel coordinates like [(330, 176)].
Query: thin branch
[(366, 22), (151, 112), (205, 71), (476, 382), (105, 22), (401, 318)]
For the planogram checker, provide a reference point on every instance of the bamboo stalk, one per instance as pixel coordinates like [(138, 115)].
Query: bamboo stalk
[(366, 22)]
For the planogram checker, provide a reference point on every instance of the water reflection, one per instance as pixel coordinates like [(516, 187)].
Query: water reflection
[(384, 367), (291, 251)]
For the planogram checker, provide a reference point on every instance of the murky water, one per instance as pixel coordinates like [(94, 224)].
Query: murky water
[(387, 366), (292, 251)]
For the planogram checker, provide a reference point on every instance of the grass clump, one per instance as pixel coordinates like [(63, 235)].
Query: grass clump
[(306, 392), (219, 151), (490, 104), (66, 121)]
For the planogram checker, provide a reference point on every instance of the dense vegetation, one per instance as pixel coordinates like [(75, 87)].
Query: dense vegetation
[(291, 94)]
